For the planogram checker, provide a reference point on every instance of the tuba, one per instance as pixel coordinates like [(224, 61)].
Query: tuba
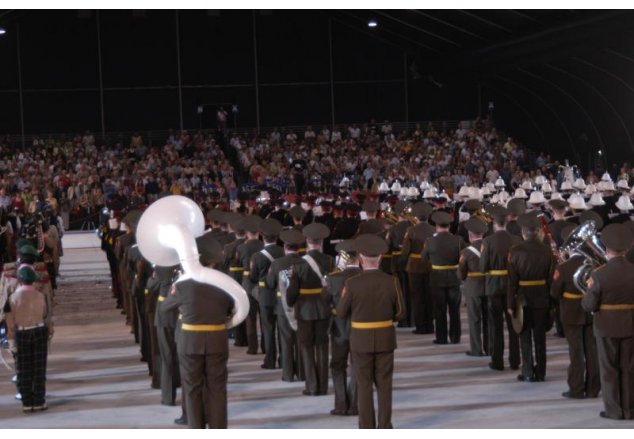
[(584, 241), (166, 235)]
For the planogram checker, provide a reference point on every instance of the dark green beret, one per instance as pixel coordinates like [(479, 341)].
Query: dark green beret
[(617, 237), (371, 245), (27, 275), (270, 227), (27, 250), (475, 225), (316, 231)]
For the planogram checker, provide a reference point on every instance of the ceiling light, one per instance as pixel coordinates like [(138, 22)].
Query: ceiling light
[(372, 23), (2, 31)]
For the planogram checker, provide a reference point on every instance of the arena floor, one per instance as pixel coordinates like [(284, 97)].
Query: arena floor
[(95, 378)]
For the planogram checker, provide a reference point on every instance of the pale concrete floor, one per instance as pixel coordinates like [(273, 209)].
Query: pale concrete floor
[(95, 378)]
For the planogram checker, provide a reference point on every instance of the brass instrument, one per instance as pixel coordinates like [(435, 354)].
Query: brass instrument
[(584, 240), (390, 215), (409, 216), (342, 260), (483, 215)]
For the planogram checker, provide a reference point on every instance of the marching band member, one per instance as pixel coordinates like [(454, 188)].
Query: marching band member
[(473, 289), (530, 268), (611, 298), (583, 372), (373, 302), (345, 390), (493, 262)]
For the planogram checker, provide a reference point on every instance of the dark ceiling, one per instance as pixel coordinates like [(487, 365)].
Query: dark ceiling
[(563, 77), (559, 79)]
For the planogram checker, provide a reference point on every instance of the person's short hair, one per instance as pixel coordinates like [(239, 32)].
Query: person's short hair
[(314, 241), (292, 247), (269, 238)]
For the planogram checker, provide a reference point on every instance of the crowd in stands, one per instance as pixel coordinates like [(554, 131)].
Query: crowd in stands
[(78, 177)]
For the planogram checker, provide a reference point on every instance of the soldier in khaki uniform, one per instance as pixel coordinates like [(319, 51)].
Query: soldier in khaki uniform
[(345, 390), (418, 270), (530, 266), (373, 302), (442, 251), (203, 346), (583, 371), (260, 264), (244, 252), (306, 292), (289, 347), (233, 267), (611, 298), (473, 288), (493, 262), (395, 237)]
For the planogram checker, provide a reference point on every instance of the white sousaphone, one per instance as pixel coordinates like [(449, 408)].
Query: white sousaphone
[(166, 235)]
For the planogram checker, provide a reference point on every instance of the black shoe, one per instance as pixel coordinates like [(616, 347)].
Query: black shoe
[(605, 415), (252, 353), (172, 403), (572, 396), (40, 408), (525, 379), (338, 412), (180, 421), (538, 379), (352, 412), (264, 366), (240, 345), (471, 354), (455, 341), (494, 367), (307, 393), (439, 342)]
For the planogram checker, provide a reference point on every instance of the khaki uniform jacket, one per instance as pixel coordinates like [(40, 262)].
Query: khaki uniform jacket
[(395, 238), (340, 329), (164, 277), (530, 260), (570, 309), (611, 284), (495, 252), (310, 306), (243, 255), (443, 249), (372, 296), (258, 270), (413, 243), (470, 271), (200, 304)]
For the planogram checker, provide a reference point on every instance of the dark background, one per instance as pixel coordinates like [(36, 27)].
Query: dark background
[(561, 81)]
